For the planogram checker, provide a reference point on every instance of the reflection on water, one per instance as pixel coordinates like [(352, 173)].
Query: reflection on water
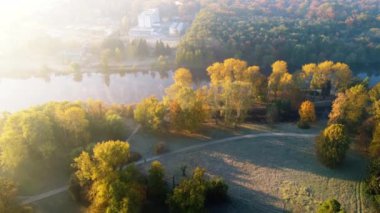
[(16, 94)]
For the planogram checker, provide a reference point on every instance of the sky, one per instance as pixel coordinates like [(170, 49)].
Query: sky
[(15, 9)]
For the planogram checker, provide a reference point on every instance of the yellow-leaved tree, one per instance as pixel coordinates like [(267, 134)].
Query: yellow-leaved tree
[(307, 114), (234, 87)]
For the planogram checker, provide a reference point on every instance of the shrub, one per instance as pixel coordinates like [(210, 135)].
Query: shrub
[(160, 148), (332, 144), (134, 156), (330, 206), (216, 191)]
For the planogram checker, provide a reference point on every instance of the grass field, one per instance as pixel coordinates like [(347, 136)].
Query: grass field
[(265, 174)]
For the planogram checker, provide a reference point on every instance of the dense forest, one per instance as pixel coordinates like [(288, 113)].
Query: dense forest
[(299, 32)]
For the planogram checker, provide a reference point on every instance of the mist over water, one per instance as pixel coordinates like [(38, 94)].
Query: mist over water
[(17, 94)]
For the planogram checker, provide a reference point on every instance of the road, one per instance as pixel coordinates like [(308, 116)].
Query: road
[(53, 192)]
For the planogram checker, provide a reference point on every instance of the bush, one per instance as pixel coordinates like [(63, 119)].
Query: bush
[(330, 206), (332, 144), (216, 191), (134, 156), (160, 148)]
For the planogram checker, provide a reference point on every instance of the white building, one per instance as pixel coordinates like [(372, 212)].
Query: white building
[(149, 18)]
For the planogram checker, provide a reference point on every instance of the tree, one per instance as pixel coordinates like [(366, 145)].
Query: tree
[(332, 144), (189, 195), (330, 206), (8, 198), (216, 191), (157, 187), (327, 74), (349, 108), (115, 125), (74, 124), (150, 113), (307, 113), (27, 135), (374, 147), (280, 82), (111, 189), (187, 108), (234, 87)]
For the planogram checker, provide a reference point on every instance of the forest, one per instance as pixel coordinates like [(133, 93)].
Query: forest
[(298, 32)]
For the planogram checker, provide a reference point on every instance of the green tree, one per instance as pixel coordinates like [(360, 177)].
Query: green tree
[(115, 125), (330, 206), (189, 195), (157, 187), (8, 198), (332, 144)]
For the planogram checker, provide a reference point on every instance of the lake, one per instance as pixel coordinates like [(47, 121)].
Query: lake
[(17, 94)]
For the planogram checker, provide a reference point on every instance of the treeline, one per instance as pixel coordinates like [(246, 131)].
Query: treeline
[(133, 49), (259, 37), (105, 182), (45, 136), (235, 89)]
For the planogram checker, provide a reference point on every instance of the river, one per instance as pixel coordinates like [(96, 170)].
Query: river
[(17, 94)]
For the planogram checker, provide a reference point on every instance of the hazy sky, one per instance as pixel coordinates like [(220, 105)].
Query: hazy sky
[(14, 9)]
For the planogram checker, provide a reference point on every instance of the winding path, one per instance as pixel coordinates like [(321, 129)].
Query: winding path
[(44, 195)]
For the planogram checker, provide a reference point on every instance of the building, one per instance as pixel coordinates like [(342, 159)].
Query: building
[(148, 23), (149, 18)]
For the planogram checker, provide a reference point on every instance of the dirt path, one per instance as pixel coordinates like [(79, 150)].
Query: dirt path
[(44, 195), (358, 192)]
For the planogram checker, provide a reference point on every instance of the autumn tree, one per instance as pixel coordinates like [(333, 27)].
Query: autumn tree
[(8, 198), (189, 195), (157, 187), (150, 113), (234, 87), (26, 134), (320, 76), (187, 107), (280, 82), (74, 124), (115, 125), (374, 147), (332, 144), (349, 108), (192, 194), (306, 113), (111, 189)]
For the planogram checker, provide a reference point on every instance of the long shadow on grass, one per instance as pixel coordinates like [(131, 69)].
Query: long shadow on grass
[(291, 153), (256, 202)]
